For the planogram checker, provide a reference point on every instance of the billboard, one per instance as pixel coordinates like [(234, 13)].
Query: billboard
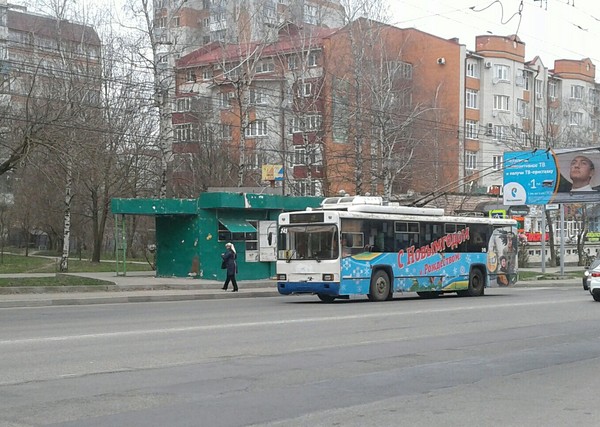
[(540, 177), (272, 172)]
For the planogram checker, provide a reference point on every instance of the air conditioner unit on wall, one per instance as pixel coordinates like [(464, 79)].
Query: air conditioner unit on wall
[(488, 64)]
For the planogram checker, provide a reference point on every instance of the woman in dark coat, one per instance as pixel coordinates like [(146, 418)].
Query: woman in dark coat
[(229, 262)]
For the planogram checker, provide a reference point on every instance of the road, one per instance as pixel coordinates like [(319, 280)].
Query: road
[(516, 357)]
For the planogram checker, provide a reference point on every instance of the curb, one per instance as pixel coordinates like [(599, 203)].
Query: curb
[(118, 299)]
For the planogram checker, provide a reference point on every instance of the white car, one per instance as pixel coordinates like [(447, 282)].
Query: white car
[(593, 280)]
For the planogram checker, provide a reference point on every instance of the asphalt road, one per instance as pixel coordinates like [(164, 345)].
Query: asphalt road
[(516, 357)]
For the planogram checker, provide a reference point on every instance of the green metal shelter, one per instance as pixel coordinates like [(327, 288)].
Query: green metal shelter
[(191, 233)]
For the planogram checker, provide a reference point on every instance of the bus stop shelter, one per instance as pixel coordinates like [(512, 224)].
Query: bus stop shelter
[(191, 233)]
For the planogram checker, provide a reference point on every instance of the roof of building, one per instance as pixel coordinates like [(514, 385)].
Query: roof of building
[(288, 42), (45, 26)]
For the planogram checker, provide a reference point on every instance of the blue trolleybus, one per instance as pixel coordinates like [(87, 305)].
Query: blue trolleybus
[(361, 247)]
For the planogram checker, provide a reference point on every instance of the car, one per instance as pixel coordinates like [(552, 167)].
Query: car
[(587, 274), (592, 279)]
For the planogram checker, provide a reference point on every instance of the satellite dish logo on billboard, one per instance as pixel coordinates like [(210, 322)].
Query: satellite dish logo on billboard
[(514, 194)]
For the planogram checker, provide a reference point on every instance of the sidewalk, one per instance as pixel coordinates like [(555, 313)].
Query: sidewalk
[(134, 287), (144, 287)]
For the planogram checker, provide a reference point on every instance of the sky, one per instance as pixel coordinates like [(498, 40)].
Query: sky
[(559, 29), (551, 29)]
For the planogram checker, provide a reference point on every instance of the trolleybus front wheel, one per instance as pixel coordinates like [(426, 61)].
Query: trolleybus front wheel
[(380, 286)]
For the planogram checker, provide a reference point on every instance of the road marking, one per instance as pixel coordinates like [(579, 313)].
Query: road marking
[(386, 314)]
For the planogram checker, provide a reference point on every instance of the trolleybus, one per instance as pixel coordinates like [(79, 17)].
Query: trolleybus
[(361, 247)]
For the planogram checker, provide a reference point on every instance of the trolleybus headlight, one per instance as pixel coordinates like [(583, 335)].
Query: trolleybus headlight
[(281, 277), (327, 277)]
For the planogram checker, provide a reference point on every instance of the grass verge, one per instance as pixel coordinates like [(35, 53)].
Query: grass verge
[(10, 263), (533, 275), (60, 280)]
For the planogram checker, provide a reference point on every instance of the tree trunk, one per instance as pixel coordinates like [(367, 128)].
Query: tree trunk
[(64, 261), (553, 259)]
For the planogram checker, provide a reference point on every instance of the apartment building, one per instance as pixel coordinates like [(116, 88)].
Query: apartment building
[(244, 106), (512, 104), (189, 24), (573, 104), (413, 107), (315, 102), (39, 58)]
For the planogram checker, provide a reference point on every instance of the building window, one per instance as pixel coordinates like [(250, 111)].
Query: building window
[(522, 108), (225, 98), (312, 60), (576, 119), (226, 132), (471, 98), (292, 62), (576, 92), (472, 129), (501, 133), (473, 69), (497, 163), (183, 132), (313, 122), (257, 128), (593, 96), (501, 102), (539, 113), (190, 76), (183, 104), (207, 73), (218, 36), (309, 123), (265, 67), (552, 90), (471, 160), (299, 155), (539, 89), (306, 90), (176, 21), (502, 72), (294, 125), (406, 70), (258, 96), (310, 14)]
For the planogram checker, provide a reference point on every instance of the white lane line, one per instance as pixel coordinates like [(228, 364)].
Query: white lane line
[(386, 314)]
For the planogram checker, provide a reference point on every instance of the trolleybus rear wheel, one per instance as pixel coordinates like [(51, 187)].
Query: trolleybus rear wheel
[(476, 283)]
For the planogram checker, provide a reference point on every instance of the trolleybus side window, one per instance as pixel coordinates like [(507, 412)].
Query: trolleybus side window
[(406, 234), (478, 237), (431, 232)]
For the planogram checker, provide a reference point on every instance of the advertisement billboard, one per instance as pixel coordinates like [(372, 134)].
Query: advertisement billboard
[(540, 177)]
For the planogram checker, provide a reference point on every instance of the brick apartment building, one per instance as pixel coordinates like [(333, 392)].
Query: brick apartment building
[(309, 106), (311, 101)]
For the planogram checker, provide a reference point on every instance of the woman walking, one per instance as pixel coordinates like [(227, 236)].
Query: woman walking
[(231, 265)]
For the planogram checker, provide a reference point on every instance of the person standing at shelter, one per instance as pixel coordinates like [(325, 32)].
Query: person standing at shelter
[(229, 261)]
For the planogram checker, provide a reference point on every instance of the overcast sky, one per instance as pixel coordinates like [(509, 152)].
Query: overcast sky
[(557, 31)]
